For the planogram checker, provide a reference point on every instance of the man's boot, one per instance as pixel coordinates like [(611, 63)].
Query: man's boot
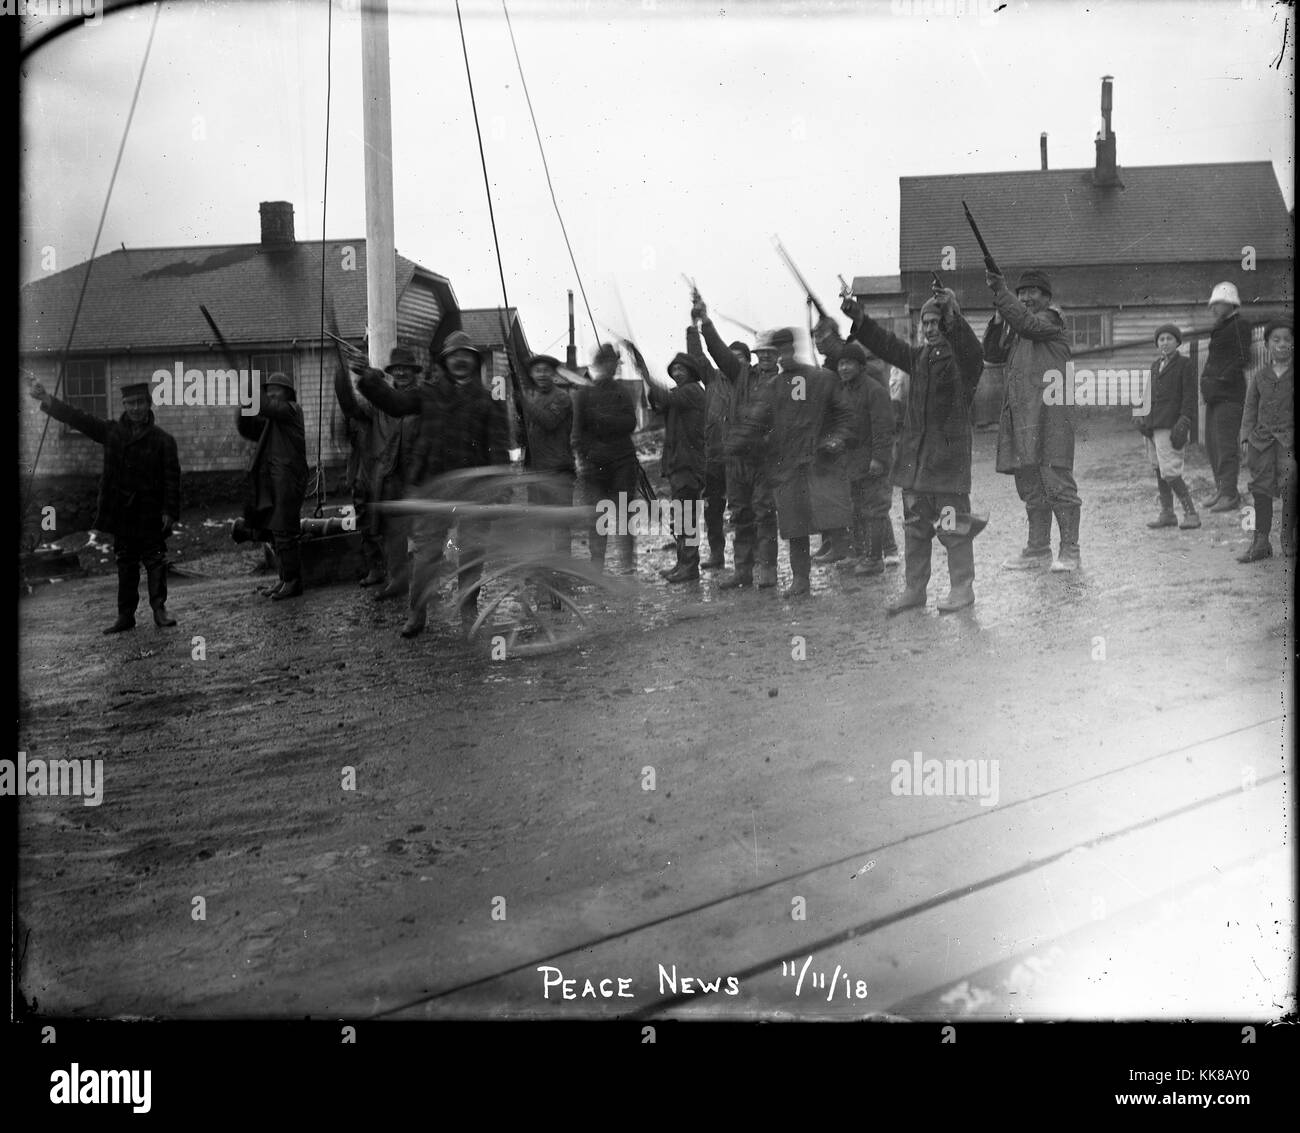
[(916, 572), (1229, 500), (1180, 489), (688, 562), (1260, 547), (157, 576), (800, 568), (871, 563), (290, 569), (1067, 556), (826, 546), (1166, 518), (961, 577), (889, 545), (838, 549), (128, 596), (738, 579), (717, 556), (1038, 551)]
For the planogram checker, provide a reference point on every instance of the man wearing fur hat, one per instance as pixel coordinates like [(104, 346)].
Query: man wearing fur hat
[(808, 423), (379, 477), (933, 455), (1035, 439), (684, 457), (460, 426), (277, 479), (749, 492), (139, 495), (604, 419), (1223, 387), (1167, 427)]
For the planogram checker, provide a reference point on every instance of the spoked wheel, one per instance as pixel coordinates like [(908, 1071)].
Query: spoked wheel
[(531, 610)]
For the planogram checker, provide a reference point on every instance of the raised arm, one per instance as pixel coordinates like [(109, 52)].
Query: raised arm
[(1046, 327), (695, 349), (719, 351), (875, 338), (93, 427), (347, 397), (966, 351), (394, 402)]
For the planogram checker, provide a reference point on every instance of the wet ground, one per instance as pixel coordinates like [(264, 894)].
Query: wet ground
[(378, 826)]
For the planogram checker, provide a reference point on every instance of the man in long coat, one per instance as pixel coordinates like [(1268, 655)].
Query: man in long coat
[(808, 423), (460, 425), (933, 454), (139, 495), (1035, 438), (749, 493), (1223, 388), (378, 473), (277, 479)]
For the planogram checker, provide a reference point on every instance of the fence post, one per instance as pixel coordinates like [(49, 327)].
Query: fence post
[(1194, 353)]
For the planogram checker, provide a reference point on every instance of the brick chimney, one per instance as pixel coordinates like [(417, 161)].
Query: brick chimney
[(1106, 171), (277, 224)]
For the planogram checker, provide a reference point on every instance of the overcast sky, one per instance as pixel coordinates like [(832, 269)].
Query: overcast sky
[(680, 136)]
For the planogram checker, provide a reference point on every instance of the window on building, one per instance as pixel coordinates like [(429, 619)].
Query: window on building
[(85, 387), (1087, 330), (268, 364)]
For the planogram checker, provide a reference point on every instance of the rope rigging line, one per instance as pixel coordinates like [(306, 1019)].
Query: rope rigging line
[(324, 201), (94, 248), (487, 188), (547, 170)]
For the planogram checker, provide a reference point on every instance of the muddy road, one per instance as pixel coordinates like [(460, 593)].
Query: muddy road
[(409, 828)]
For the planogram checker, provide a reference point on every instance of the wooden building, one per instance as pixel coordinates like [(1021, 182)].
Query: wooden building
[(141, 317)]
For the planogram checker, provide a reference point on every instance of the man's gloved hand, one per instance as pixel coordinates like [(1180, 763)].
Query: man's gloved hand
[(994, 280), (851, 307), (699, 311), (1179, 434)]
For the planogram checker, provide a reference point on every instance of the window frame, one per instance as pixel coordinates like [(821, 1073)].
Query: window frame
[(103, 397)]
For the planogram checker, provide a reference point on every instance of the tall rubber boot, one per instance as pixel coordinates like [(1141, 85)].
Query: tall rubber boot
[(128, 596), (873, 549), (1166, 518), (765, 572), (1067, 556), (290, 555), (916, 572), (1038, 551), (1260, 547), (688, 561), (961, 576), (800, 568), (156, 574), (1180, 489)]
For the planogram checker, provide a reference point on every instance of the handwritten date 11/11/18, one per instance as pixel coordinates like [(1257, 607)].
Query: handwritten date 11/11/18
[(817, 981)]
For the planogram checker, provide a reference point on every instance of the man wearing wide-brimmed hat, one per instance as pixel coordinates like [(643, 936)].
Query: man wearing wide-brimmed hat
[(379, 473), (277, 479), (460, 426), (139, 495)]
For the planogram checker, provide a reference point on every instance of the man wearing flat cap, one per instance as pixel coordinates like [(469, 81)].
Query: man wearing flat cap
[(277, 479), (378, 473), (139, 495), (1035, 439), (460, 425)]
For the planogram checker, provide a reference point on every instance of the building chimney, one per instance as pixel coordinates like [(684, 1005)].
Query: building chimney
[(571, 353), (1042, 148), (1106, 171), (277, 224)]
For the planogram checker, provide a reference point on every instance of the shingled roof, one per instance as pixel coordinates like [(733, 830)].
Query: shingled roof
[(144, 298), (483, 324), (1164, 214)]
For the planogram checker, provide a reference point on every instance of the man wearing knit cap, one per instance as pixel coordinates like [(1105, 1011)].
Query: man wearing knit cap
[(1035, 439), (717, 404), (1168, 425), (933, 454), (460, 426), (684, 458), (604, 419), (277, 479), (749, 492), (1223, 388), (548, 420), (808, 423), (139, 495)]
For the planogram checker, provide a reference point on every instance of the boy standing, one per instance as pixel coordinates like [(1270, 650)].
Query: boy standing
[(1168, 425)]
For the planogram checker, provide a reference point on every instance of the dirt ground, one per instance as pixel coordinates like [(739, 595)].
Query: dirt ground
[(1139, 713)]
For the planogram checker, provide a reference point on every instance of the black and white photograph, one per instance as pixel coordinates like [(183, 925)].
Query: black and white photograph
[(657, 511)]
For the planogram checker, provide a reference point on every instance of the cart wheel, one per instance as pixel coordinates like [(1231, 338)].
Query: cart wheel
[(532, 611)]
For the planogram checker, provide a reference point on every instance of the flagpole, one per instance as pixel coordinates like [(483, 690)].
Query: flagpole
[(376, 105)]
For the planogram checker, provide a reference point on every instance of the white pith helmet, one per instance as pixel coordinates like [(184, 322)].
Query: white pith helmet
[(1224, 293)]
